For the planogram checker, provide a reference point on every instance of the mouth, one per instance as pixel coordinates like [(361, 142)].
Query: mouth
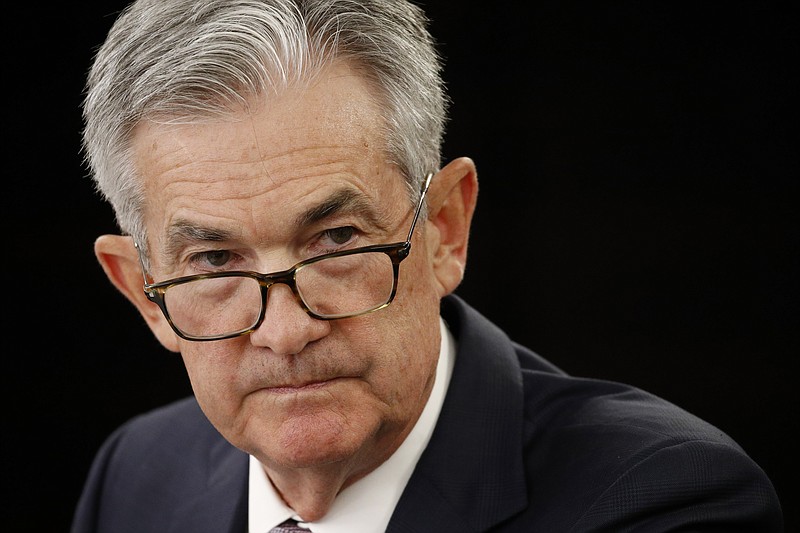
[(302, 387)]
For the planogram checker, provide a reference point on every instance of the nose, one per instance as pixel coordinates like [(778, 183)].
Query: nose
[(287, 328)]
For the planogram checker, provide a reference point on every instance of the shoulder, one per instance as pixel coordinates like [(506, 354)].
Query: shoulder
[(595, 454), (561, 402), (151, 466), (623, 458)]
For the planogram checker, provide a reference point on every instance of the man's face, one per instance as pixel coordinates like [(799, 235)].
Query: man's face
[(237, 195)]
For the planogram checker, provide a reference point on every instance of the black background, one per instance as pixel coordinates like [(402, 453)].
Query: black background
[(637, 166)]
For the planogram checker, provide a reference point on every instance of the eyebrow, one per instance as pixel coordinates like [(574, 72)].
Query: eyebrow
[(341, 201), (183, 231), (346, 200)]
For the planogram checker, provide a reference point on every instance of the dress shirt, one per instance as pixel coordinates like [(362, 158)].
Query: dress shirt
[(367, 505)]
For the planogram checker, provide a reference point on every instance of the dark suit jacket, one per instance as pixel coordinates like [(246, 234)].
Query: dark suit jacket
[(519, 447)]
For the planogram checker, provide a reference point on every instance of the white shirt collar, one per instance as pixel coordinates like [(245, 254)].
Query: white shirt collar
[(367, 505)]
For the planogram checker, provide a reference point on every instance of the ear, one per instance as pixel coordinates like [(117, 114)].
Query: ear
[(120, 261), (451, 201)]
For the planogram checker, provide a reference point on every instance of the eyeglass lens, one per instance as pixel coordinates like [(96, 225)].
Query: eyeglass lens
[(334, 287)]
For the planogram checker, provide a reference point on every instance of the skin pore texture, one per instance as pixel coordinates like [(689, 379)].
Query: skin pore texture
[(319, 403)]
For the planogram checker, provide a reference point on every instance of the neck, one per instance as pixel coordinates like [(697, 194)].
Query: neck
[(311, 495), (310, 491)]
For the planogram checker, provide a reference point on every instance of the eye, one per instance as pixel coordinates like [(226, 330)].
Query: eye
[(340, 236), (212, 258)]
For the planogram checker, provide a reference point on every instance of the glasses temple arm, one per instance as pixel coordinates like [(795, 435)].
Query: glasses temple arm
[(425, 186), (145, 274)]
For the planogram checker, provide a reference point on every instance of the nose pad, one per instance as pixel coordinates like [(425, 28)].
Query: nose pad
[(287, 328)]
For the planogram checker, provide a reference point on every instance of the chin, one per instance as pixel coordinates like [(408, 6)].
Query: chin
[(314, 440)]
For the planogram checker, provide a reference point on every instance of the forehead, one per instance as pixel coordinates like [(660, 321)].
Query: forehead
[(268, 159)]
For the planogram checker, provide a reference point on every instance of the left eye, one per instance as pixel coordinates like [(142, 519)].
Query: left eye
[(340, 235), (213, 258)]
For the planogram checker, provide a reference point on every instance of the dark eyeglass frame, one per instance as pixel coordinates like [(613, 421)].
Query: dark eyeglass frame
[(397, 252)]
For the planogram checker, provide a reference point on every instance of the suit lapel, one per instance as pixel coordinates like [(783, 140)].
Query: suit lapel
[(471, 475)]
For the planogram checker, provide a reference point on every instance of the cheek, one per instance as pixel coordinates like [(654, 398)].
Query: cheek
[(212, 376), (408, 347), (412, 380), (417, 284), (413, 328)]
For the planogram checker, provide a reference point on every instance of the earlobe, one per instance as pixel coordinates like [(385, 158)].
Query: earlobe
[(451, 203), (120, 261)]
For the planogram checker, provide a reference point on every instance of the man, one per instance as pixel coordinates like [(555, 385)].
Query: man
[(274, 167)]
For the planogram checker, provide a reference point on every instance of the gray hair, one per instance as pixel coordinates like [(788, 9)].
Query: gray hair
[(189, 60)]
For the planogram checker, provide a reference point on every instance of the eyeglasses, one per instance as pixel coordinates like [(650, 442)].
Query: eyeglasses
[(344, 284)]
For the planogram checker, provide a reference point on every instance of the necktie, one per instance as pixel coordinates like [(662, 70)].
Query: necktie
[(290, 526)]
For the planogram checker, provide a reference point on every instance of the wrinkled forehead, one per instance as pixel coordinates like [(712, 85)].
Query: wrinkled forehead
[(337, 106), (267, 156)]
